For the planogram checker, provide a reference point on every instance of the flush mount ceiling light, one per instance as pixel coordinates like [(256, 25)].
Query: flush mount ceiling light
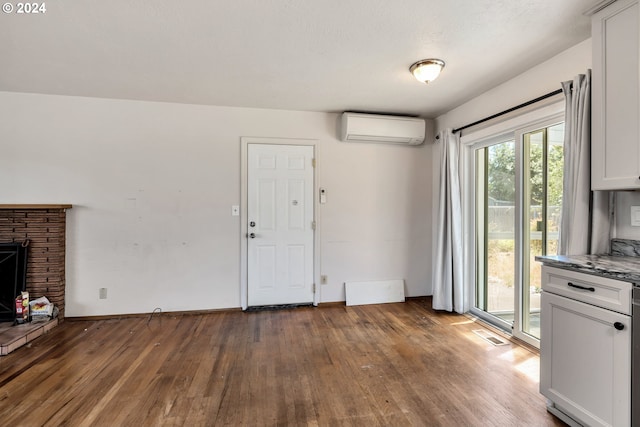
[(427, 70)]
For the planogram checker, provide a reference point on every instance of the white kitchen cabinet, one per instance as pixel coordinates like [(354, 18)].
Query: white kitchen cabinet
[(585, 350), (615, 111)]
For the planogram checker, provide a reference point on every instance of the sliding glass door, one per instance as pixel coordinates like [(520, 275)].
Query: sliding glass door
[(495, 225), (518, 197), (543, 157)]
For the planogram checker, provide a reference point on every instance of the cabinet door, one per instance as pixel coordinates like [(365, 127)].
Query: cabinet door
[(615, 146), (585, 362)]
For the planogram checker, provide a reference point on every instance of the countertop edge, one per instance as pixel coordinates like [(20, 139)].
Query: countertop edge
[(613, 267)]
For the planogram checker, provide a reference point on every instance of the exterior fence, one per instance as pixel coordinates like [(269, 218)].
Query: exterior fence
[(501, 221)]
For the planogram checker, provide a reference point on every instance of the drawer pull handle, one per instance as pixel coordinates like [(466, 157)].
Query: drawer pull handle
[(584, 288), (619, 326)]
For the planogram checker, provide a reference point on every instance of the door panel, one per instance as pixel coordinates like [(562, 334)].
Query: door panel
[(495, 223), (279, 224), (585, 362), (296, 266), (266, 261), (265, 207)]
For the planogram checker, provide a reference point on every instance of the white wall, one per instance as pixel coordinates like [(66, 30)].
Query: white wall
[(377, 220), (152, 186)]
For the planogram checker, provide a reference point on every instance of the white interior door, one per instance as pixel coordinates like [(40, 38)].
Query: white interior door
[(280, 224)]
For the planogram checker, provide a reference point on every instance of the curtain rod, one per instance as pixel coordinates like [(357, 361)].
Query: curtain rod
[(517, 107)]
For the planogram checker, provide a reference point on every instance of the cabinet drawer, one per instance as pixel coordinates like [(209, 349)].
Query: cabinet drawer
[(599, 291)]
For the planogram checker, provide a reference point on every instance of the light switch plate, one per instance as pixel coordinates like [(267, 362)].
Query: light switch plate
[(235, 210), (635, 216)]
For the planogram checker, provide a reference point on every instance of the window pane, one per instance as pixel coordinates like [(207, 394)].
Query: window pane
[(496, 230), (544, 163), (533, 234), (555, 167)]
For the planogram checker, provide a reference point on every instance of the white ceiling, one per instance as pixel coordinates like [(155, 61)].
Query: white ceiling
[(317, 55)]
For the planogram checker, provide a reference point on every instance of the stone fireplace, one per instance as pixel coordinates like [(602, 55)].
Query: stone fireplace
[(42, 229)]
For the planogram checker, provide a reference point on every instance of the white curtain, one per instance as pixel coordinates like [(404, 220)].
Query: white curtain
[(448, 288), (585, 223)]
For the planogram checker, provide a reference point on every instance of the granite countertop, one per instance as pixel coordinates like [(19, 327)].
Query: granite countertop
[(622, 264), (625, 268)]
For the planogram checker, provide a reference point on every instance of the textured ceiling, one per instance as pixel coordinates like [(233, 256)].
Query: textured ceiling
[(317, 55)]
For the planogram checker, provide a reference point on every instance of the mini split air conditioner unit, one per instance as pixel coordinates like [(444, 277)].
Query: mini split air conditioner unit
[(359, 127)]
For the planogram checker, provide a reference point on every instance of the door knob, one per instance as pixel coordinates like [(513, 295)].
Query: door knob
[(252, 235), (619, 326)]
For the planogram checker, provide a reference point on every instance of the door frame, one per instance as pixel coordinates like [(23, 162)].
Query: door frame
[(244, 190)]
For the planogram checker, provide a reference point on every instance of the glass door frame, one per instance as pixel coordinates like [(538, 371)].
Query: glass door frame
[(470, 200), (510, 129), (523, 263)]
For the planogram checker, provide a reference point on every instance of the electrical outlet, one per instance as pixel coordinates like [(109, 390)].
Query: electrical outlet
[(103, 293), (323, 279)]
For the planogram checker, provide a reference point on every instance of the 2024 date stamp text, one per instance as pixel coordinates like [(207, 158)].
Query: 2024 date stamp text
[(25, 8)]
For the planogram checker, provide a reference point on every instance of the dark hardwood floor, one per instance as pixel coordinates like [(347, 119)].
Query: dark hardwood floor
[(378, 365)]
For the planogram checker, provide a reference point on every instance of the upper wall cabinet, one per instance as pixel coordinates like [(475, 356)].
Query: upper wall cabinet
[(615, 146)]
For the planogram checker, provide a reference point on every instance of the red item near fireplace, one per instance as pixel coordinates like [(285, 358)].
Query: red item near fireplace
[(22, 307)]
